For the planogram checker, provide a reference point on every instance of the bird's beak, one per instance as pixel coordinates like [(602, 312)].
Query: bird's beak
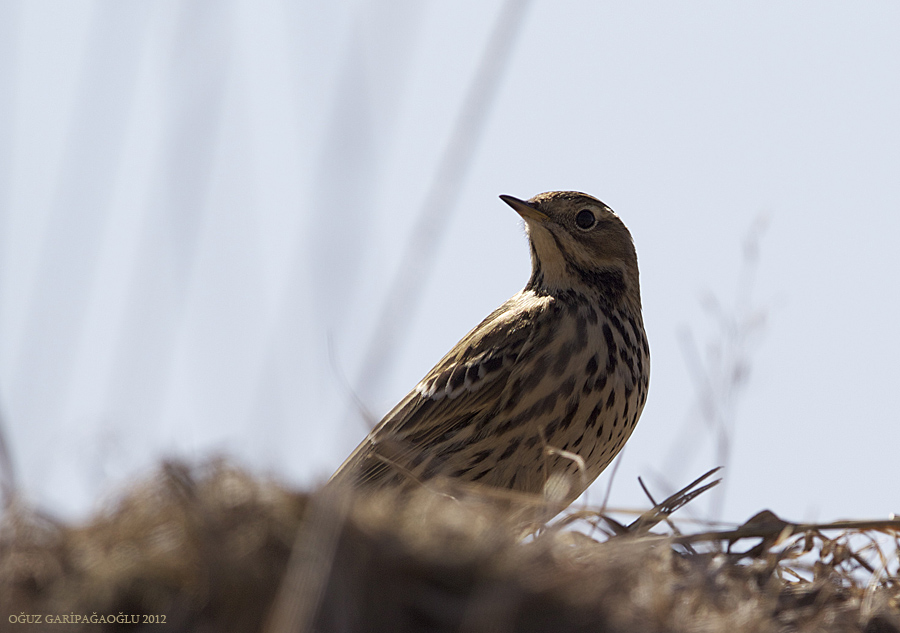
[(526, 209)]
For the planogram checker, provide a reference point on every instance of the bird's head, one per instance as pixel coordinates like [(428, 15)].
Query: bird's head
[(578, 243)]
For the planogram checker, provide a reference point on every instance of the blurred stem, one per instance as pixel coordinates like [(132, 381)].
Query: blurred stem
[(421, 249)]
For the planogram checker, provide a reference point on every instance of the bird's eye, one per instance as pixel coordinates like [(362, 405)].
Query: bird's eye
[(585, 219)]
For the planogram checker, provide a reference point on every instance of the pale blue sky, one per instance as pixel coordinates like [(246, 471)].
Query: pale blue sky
[(202, 204)]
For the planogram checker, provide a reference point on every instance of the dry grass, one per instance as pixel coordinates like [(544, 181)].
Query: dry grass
[(215, 549)]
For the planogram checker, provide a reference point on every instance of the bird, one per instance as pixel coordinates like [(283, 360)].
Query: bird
[(541, 395)]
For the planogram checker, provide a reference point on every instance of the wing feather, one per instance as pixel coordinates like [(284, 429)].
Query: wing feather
[(467, 383)]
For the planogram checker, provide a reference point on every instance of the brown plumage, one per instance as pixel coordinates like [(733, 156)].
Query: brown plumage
[(546, 390)]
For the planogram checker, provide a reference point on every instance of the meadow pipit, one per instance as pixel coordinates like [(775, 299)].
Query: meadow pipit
[(548, 387)]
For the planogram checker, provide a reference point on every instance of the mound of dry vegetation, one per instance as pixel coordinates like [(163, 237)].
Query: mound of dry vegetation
[(212, 548)]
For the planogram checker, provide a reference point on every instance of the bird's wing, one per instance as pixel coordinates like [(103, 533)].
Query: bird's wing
[(465, 385)]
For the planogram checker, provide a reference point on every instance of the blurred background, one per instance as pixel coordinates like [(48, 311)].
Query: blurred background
[(249, 228)]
